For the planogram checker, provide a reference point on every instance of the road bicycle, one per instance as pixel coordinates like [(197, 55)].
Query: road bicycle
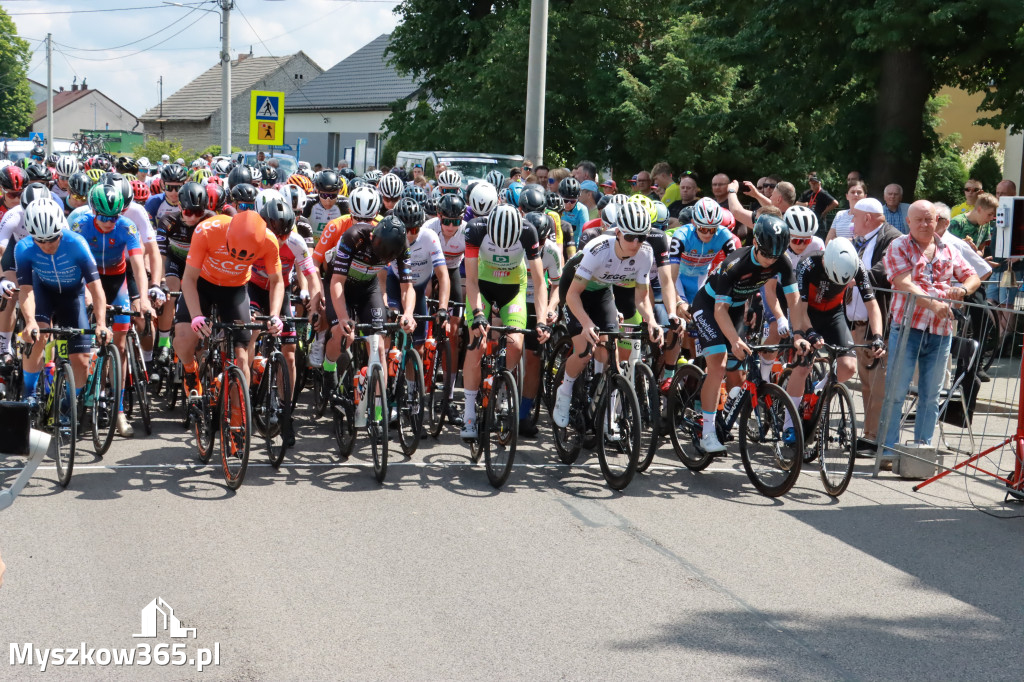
[(439, 372), (271, 391), (102, 395), (405, 385), (361, 398), (136, 377)]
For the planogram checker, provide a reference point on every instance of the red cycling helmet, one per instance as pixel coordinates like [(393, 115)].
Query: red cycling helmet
[(13, 178), (140, 191)]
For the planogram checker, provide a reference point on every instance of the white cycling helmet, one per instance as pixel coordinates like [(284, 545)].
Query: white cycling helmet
[(44, 219), (619, 199), (390, 186), (633, 219), (661, 215), (505, 226), (483, 199), (840, 260), (449, 179), (373, 176), (268, 196), (802, 221), (364, 203), (144, 163), (67, 166), (707, 213)]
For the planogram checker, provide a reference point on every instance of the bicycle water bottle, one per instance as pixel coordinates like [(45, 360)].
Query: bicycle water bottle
[(730, 402), (429, 346), (258, 365), (394, 358), (810, 402), (358, 382), (48, 377), (486, 389)]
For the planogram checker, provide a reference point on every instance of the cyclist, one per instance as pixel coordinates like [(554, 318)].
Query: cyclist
[(12, 182), (328, 186), (172, 177), (575, 214), (79, 185), (66, 166), (243, 197), (500, 250), (717, 309), (55, 267), (390, 188), (586, 287), (12, 230)]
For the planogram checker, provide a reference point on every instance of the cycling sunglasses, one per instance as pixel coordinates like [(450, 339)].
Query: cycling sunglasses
[(799, 241), (13, 195), (193, 212), (707, 230), (333, 196), (635, 237), (172, 188), (106, 218), (766, 254), (451, 221), (79, 197), (245, 206)]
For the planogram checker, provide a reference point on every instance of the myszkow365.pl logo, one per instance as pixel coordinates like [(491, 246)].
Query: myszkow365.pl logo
[(158, 620)]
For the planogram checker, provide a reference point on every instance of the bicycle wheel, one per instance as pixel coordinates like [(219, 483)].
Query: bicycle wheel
[(409, 403), (569, 440), (649, 399), (552, 376), (318, 391), (502, 424), (106, 394), (64, 421), (772, 466), (140, 383), (439, 389), (275, 406), (344, 414), (837, 440), (618, 432), (235, 428), (202, 412), (376, 398), (685, 417)]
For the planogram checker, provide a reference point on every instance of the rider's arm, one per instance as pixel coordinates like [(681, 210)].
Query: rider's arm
[(99, 302), (27, 301), (275, 285), (572, 299), (473, 284), (408, 298), (338, 297), (771, 298), (189, 280), (725, 324), (156, 263), (643, 303), (540, 290), (444, 286), (668, 288), (875, 324), (139, 270)]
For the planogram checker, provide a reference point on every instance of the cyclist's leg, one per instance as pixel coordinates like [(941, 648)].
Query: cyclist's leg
[(166, 318), (32, 365), (71, 312), (714, 346), (259, 303), (186, 340), (233, 306)]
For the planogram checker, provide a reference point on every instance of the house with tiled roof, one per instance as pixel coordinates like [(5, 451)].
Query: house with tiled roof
[(81, 108), (192, 115), (344, 108)]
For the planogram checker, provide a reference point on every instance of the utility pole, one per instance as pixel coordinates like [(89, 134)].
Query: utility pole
[(161, 82), (225, 77), (49, 94), (533, 144)]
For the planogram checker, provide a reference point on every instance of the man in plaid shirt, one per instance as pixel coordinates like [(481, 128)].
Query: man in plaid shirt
[(921, 263)]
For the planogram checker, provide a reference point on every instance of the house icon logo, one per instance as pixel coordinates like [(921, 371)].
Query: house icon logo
[(158, 615)]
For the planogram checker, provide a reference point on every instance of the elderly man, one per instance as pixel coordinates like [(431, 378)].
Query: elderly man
[(720, 189), (871, 237), (852, 177), (972, 188), (643, 185), (895, 209), (921, 263)]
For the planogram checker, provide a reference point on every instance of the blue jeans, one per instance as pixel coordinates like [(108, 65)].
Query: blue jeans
[(929, 353)]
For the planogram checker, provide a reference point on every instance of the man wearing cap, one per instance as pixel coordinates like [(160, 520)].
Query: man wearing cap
[(820, 201), (871, 237), (895, 209), (588, 197)]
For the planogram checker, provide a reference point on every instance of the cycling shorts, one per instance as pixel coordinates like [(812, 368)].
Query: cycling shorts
[(363, 300), (509, 299), (7, 261), (710, 339), (175, 267), (232, 305), (259, 303), (63, 309), (394, 292), (457, 294), (115, 288), (831, 325)]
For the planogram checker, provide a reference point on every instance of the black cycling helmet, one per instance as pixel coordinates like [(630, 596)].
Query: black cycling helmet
[(347, 173), (771, 236), (532, 199), (555, 202), (429, 205), (269, 174), (79, 183), (685, 216), (451, 206), (239, 175), (38, 173), (415, 192), (171, 172), (569, 188), (244, 194), (327, 181), (410, 213), (126, 165), (603, 201), (388, 238), (279, 216), (541, 222), (122, 183), (36, 190), (193, 196)]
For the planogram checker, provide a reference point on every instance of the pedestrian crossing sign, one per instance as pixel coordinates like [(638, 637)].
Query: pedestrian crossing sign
[(266, 118)]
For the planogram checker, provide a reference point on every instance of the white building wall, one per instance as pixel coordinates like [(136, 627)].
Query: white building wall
[(79, 116), (1013, 163)]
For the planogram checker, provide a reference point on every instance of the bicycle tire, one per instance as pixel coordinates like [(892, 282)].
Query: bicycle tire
[(140, 383), (837, 441), (64, 421), (376, 397), (277, 405), (343, 410), (649, 400), (106, 390), (502, 426), (552, 376), (317, 388), (775, 470), (201, 413), (440, 390), (409, 403), (569, 439), (618, 432), (684, 417), (235, 426)]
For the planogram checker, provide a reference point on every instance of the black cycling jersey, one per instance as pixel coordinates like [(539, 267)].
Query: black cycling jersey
[(357, 261), (740, 276), (173, 236), (656, 238), (821, 293)]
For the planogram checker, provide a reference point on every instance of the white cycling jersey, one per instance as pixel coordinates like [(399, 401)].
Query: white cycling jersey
[(425, 254), (551, 261), (320, 216), (602, 267), (12, 225), (137, 214), (454, 248), (816, 246)]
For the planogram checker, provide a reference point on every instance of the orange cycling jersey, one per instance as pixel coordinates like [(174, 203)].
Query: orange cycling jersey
[(328, 244), (209, 252)]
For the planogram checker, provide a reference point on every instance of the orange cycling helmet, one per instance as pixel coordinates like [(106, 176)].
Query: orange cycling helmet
[(302, 182), (245, 235)]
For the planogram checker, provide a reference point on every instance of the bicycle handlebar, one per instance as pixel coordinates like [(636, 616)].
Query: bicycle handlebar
[(501, 331)]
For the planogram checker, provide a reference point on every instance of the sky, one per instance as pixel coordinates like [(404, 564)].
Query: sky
[(326, 30)]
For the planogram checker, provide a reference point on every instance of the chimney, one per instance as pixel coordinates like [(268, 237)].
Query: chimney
[(242, 57), (84, 86), (74, 87), (62, 88)]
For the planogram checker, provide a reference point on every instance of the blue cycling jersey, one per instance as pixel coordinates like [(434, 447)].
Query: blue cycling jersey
[(576, 217), (66, 270), (108, 248), (157, 207), (693, 255)]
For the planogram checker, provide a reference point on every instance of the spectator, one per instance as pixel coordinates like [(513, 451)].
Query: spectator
[(688, 191), (588, 197), (585, 170), (871, 238), (842, 226), (515, 174), (556, 176), (643, 185), (609, 187), (921, 263), (975, 226), (343, 164), (527, 167), (273, 162), (895, 209), (662, 175), (784, 196), (972, 188), (770, 183), (438, 169), (318, 167), (1006, 188), (542, 175), (820, 201), (852, 177), (720, 189), (261, 157), (418, 178)]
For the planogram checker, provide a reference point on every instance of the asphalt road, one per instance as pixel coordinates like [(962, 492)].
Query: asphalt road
[(315, 571)]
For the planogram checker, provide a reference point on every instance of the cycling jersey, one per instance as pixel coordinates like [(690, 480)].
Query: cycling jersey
[(59, 194), (425, 254), (740, 276), (173, 236), (157, 207), (494, 264), (143, 225), (320, 216), (109, 248), (13, 225), (455, 247), (821, 293), (67, 270), (293, 253), (816, 246), (657, 239), (576, 217), (78, 213), (694, 256), (357, 261), (601, 266), (327, 239), (209, 253), (551, 261), (559, 239)]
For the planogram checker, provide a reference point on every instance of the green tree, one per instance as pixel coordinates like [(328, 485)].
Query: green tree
[(987, 169), (16, 104)]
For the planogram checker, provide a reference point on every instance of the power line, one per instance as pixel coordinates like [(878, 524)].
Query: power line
[(132, 54), (90, 11), (108, 49)]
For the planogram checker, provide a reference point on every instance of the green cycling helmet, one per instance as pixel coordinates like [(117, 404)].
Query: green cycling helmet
[(106, 200)]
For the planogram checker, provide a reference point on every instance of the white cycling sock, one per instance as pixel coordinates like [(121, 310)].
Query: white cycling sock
[(567, 384), (789, 420), (5, 341), (471, 404), (766, 369), (708, 424)]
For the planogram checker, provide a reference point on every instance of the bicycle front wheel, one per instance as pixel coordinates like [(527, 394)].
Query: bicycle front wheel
[(138, 392), (772, 465), (64, 422), (106, 394), (837, 440), (649, 399), (439, 389), (618, 433), (376, 398), (276, 405), (502, 424), (201, 412), (344, 413), (409, 403), (235, 430), (685, 417)]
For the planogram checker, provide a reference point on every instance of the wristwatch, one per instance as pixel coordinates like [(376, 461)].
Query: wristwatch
[(732, 191)]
